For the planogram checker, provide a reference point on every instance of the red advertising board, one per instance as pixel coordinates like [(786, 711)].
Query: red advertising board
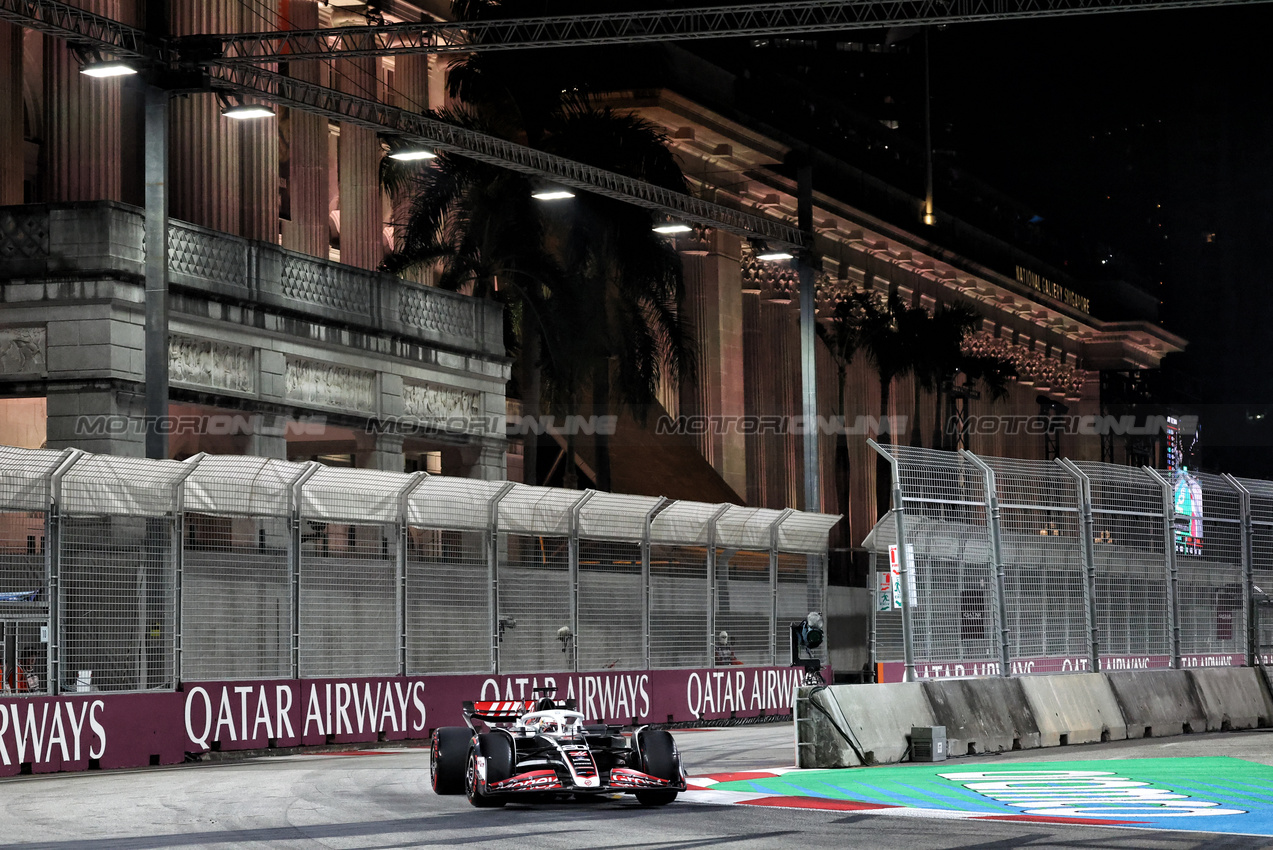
[(83, 731)]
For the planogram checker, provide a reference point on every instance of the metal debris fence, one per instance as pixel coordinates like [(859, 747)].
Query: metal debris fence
[(122, 574), (1029, 566)]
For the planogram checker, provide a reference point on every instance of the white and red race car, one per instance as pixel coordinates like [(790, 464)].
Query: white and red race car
[(540, 750)]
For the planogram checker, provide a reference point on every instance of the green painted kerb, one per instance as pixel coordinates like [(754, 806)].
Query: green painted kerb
[(1227, 782)]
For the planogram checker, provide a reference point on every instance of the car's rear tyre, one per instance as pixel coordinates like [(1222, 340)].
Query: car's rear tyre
[(658, 757), (498, 752), (447, 758)]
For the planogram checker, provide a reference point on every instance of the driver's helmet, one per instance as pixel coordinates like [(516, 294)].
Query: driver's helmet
[(549, 726)]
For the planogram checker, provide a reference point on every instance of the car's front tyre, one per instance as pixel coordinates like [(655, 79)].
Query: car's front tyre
[(658, 757), (498, 752), (448, 754)]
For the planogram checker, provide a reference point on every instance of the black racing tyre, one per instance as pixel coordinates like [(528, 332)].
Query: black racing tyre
[(448, 756), (498, 751), (658, 755)]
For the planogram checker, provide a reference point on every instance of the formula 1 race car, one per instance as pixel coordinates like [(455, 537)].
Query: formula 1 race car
[(539, 750)]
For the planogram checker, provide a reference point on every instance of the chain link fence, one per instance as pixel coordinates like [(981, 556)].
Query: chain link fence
[(124, 574), (1018, 566)]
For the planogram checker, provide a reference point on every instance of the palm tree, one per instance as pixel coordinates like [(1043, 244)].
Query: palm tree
[(938, 354), (588, 283), (841, 332)]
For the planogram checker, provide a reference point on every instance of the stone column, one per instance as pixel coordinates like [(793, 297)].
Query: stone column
[(308, 231), (713, 305), (361, 201), (258, 142), (97, 418), (82, 123), (268, 437), (205, 150), (12, 149), (380, 451)]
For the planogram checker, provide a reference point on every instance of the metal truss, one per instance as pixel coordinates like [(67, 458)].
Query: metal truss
[(764, 19), (410, 126), (77, 27)]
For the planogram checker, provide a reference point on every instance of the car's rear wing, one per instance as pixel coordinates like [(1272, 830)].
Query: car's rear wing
[(505, 711)]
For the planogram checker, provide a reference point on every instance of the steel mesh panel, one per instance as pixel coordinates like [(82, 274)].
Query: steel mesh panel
[(798, 595), (348, 600), (1041, 539), (1262, 577), (233, 485), (449, 623), (1132, 608), (680, 600), (30, 678), (25, 477), (534, 591), (611, 603), (236, 600), (1209, 578), (744, 607), (117, 603)]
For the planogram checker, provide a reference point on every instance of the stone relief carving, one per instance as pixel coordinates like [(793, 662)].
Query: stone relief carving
[(426, 401), (216, 365), (326, 385), (22, 350)]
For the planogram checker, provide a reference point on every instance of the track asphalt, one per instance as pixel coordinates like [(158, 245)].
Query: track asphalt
[(1199, 794)]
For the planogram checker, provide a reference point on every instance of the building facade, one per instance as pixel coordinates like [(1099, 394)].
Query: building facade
[(287, 342)]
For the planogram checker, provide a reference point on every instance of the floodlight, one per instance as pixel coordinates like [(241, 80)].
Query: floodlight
[(412, 154), (107, 69), (771, 256), (246, 111), (551, 193), (672, 227)]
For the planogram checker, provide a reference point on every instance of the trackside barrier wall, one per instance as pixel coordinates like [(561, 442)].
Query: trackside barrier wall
[(993, 714), (1028, 567), (130, 575)]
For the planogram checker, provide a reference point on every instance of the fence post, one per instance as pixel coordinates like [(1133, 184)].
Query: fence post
[(1088, 541), (179, 563), (1248, 573), (996, 551), (903, 560), (1169, 546), (294, 563), (773, 583), (646, 582), (53, 569), (400, 569), (712, 589), (572, 557), (492, 566)]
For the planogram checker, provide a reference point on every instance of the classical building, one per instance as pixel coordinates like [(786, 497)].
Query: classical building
[(287, 342)]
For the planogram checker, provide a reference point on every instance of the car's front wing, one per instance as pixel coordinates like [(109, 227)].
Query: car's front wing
[(622, 780)]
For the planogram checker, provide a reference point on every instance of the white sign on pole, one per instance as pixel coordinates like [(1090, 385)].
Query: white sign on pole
[(895, 575)]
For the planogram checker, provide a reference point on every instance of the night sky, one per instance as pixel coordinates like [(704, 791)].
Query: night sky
[(1149, 132)]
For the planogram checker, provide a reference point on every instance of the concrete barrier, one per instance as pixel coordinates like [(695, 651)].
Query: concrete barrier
[(983, 715), (879, 717), (1232, 697), (1077, 708), (1158, 703)]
